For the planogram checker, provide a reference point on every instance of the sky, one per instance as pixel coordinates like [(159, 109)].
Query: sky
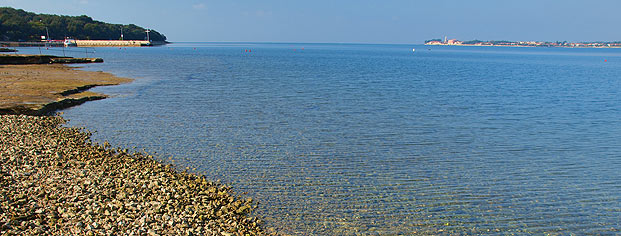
[(351, 21)]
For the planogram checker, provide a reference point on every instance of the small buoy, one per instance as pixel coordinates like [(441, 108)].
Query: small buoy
[(605, 60)]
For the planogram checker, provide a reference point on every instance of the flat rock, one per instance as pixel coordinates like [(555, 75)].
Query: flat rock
[(41, 89)]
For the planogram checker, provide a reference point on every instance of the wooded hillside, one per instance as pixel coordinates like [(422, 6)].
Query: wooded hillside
[(20, 25)]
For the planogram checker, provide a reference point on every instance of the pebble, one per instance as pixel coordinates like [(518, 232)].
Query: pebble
[(55, 181)]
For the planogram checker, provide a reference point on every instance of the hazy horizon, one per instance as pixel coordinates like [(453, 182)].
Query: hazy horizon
[(369, 22)]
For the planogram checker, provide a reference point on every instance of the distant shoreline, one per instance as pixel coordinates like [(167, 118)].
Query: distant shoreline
[(84, 43), (503, 43), (518, 46)]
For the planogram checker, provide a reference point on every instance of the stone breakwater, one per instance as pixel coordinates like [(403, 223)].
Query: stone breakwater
[(55, 181)]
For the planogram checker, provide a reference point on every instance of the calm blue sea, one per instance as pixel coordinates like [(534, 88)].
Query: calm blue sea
[(344, 139)]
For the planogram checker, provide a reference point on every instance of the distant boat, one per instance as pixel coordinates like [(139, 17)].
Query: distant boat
[(413, 49)]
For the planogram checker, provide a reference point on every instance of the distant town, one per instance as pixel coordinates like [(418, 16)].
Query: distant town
[(455, 42)]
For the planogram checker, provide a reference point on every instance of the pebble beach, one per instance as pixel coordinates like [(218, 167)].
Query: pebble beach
[(55, 181)]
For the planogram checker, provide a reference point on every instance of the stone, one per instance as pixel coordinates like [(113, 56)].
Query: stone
[(97, 191)]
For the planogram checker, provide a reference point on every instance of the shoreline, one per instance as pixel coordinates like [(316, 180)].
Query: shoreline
[(511, 46), (44, 89), (57, 181)]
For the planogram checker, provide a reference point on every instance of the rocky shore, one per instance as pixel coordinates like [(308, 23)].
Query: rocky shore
[(55, 181), (8, 50), (43, 89), (24, 59)]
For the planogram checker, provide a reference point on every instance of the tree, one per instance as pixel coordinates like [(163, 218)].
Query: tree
[(431, 40), (19, 25), (472, 42)]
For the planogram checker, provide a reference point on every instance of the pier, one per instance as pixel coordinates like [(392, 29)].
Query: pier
[(112, 43), (83, 43)]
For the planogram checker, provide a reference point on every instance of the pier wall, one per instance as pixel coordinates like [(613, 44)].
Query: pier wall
[(112, 43)]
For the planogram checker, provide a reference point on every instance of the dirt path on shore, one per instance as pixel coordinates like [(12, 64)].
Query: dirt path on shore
[(39, 89)]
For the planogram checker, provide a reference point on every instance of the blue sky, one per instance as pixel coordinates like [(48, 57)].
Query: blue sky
[(351, 21)]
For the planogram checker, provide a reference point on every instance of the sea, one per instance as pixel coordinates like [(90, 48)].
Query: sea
[(365, 139)]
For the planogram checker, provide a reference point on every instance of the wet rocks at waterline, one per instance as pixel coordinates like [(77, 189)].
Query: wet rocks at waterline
[(56, 181)]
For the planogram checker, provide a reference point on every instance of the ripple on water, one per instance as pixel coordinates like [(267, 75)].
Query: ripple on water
[(346, 139)]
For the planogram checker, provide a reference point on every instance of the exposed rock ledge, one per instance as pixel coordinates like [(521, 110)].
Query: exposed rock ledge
[(42, 89), (43, 109), (22, 59)]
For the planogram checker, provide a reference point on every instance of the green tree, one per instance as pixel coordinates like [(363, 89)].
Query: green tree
[(19, 25)]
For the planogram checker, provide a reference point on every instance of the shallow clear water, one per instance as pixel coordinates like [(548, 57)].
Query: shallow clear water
[(377, 139)]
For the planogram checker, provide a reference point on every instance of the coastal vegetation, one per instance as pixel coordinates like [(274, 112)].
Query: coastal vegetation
[(20, 25), (432, 40)]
